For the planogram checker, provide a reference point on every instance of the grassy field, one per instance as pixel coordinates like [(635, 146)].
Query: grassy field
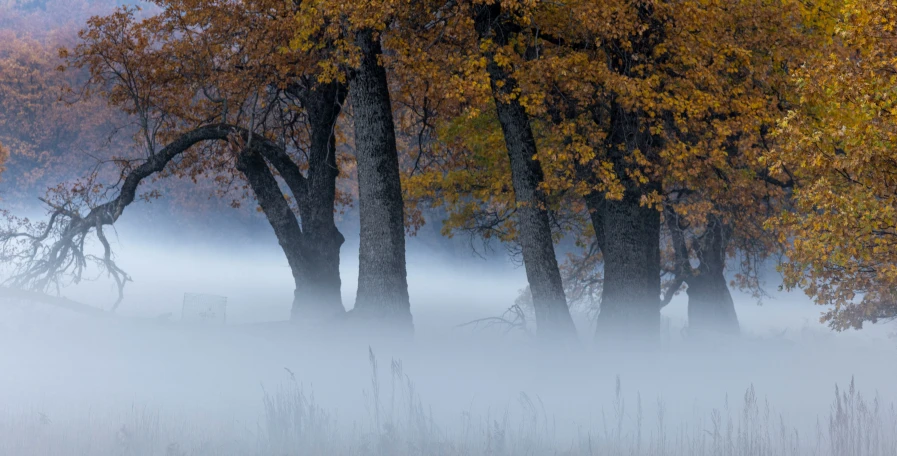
[(398, 421)]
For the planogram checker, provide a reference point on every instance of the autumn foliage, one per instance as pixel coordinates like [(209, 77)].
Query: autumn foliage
[(839, 144), (679, 144)]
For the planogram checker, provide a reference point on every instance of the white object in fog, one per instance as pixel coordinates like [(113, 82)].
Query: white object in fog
[(203, 308)]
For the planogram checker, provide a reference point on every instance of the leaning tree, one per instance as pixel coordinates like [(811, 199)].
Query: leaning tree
[(210, 93)]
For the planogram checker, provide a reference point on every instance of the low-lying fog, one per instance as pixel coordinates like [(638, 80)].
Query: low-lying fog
[(72, 384)]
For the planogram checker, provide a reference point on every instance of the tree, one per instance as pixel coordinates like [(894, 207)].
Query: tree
[(192, 69), (838, 143), (195, 64), (231, 58), (356, 32), (667, 111), (382, 279), (475, 151), (710, 304), (494, 26), (715, 208), (671, 107), (45, 253)]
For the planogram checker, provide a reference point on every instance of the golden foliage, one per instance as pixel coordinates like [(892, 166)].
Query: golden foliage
[(839, 144), (200, 62), (704, 80), (705, 108)]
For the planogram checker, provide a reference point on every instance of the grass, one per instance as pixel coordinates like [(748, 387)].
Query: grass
[(397, 422)]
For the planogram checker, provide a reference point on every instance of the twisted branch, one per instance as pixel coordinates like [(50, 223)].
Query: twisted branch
[(43, 254)]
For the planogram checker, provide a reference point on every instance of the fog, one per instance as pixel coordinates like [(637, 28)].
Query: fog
[(142, 382), (137, 384)]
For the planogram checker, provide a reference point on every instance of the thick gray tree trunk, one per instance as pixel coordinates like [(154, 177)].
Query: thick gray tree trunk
[(382, 279), (710, 305), (312, 243), (319, 293), (534, 230), (630, 302)]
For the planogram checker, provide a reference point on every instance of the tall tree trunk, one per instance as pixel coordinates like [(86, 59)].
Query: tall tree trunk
[(382, 279), (630, 304), (313, 248), (534, 231), (320, 294), (630, 301), (710, 305)]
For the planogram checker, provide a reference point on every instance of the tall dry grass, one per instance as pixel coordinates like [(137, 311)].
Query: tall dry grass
[(397, 423)]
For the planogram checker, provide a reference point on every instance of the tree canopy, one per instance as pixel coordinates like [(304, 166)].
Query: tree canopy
[(838, 143), (674, 142)]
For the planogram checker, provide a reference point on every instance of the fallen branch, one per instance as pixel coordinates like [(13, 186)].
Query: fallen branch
[(513, 318)]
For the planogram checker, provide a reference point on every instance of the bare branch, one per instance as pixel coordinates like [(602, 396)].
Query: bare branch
[(511, 319), (43, 254)]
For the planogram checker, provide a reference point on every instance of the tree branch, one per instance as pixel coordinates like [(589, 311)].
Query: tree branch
[(43, 254)]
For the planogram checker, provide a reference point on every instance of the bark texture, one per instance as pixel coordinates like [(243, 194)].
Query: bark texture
[(319, 292), (312, 243), (630, 304), (534, 229), (629, 235), (630, 300), (382, 277)]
